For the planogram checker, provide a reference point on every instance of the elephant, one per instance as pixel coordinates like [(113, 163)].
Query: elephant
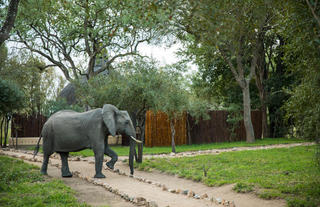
[(69, 131)]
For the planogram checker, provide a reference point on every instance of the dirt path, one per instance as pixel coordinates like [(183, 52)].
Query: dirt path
[(87, 192), (148, 189)]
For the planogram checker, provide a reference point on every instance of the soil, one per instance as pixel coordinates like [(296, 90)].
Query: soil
[(153, 186)]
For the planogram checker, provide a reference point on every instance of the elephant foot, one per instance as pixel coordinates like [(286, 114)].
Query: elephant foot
[(99, 175), (110, 165), (43, 172), (67, 175)]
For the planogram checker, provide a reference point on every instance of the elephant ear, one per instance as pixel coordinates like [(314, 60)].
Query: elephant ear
[(109, 113)]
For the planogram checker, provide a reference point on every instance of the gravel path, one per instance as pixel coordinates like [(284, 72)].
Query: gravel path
[(148, 189)]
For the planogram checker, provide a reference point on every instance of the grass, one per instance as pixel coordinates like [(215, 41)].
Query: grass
[(124, 150), (288, 173), (22, 185)]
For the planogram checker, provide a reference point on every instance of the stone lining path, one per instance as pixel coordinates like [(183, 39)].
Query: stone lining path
[(155, 189)]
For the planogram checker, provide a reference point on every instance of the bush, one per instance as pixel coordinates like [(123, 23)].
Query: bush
[(53, 106)]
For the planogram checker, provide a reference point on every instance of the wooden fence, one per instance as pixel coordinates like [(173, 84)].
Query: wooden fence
[(217, 129), (158, 131), (27, 126), (157, 128)]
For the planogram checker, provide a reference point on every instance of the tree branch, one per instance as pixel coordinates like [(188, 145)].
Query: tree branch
[(50, 58), (313, 11)]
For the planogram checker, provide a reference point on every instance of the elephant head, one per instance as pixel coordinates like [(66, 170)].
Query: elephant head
[(118, 121)]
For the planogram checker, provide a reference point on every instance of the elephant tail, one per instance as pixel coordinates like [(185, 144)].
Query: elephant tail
[(36, 149)]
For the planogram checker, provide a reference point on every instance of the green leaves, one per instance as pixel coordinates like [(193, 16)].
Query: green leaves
[(61, 31), (11, 97)]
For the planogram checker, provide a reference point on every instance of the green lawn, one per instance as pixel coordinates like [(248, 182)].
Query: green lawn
[(22, 185), (124, 151), (288, 173)]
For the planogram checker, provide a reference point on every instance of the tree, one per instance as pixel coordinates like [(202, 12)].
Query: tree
[(53, 106), (215, 82), (302, 57), (11, 100), (231, 29), (100, 32), (138, 86), (8, 23), (37, 85), (175, 103)]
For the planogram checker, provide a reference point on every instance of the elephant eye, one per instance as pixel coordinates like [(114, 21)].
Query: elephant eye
[(127, 122)]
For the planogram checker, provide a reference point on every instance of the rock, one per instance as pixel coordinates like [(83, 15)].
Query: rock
[(196, 196), (91, 162), (218, 200), (164, 188), (179, 191), (190, 193), (158, 184), (126, 197), (110, 189), (172, 190), (152, 204), (204, 196), (23, 157), (149, 181), (185, 192), (116, 171), (140, 201), (232, 204)]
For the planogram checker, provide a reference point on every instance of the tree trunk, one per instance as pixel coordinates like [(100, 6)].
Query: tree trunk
[(188, 130), (247, 114), (264, 122), (9, 22), (261, 77), (173, 132), (1, 128), (140, 146), (6, 126)]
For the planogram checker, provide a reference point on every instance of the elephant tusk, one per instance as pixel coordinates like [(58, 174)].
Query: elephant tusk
[(138, 141)]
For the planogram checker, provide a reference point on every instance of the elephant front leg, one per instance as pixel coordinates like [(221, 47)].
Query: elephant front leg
[(98, 165), (113, 155), (65, 167)]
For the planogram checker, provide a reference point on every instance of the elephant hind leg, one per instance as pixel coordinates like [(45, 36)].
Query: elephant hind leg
[(44, 166), (65, 167)]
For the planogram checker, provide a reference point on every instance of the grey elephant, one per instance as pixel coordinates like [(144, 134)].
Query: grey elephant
[(69, 131)]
